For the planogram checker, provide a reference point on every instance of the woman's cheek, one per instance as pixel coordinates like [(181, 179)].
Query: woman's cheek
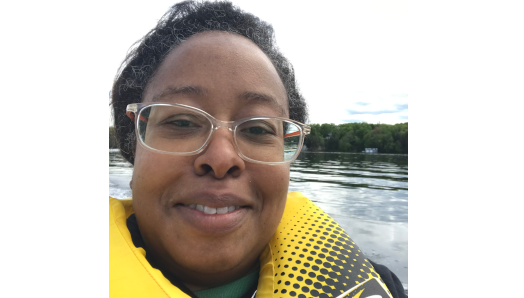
[(275, 186)]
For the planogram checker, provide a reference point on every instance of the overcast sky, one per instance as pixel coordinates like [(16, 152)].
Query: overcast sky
[(350, 59)]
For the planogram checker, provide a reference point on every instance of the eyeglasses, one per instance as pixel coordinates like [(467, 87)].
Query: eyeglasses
[(178, 129)]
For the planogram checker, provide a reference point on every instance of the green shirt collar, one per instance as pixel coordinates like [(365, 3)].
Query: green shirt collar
[(235, 289)]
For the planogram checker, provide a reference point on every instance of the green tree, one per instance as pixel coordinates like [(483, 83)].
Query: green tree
[(327, 128), (344, 144), (314, 141), (355, 137)]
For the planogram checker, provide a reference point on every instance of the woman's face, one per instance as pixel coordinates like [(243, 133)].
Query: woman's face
[(229, 77)]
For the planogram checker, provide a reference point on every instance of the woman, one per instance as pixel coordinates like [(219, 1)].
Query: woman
[(208, 112)]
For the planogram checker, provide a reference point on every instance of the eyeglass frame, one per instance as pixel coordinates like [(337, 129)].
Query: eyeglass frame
[(136, 108)]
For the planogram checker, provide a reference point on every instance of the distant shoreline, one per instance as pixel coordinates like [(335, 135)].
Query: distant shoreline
[(338, 152)]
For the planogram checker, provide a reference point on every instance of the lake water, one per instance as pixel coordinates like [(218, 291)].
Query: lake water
[(367, 194)]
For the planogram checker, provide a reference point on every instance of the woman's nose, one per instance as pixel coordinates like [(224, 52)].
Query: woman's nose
[(220, 156)]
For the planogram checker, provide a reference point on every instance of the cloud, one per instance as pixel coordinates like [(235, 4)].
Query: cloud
[(401, 107), (398, 108), (390, 118), (351, 112), (362, 106), (399, 95), (352, 121)]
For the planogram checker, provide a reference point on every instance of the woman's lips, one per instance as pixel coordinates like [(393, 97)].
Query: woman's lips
[(211, 210), (210, 220)]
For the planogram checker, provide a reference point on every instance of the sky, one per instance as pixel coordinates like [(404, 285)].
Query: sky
[(350, 57)]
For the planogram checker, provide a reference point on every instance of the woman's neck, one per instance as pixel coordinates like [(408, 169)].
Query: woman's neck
[(195, 287), (199, 280)]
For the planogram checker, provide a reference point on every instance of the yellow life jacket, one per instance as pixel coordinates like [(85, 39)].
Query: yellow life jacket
[(309, 255)]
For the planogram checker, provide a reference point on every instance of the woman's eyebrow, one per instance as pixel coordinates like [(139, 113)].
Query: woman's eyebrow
[(202, 92), (264, 98), (186, 90)]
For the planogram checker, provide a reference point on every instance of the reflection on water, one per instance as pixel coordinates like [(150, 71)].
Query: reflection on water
[(365, 186), (120, 172), (367, 194)]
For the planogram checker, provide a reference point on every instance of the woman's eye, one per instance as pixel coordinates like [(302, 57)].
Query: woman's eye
[(182, 123), (257, 130)]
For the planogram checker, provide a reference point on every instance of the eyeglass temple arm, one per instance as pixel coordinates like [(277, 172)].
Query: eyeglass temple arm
[(131, 110), (296, 133), (305, 129)]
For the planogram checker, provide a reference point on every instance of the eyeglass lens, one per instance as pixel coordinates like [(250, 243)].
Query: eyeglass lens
[(183, 130)]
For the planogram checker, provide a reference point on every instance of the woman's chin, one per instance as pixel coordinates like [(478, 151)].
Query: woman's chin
[(218, 263)]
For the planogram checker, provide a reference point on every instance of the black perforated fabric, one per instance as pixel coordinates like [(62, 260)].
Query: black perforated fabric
[(313, 256)]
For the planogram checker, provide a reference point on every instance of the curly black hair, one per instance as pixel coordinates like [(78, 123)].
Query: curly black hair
[(179, 23)]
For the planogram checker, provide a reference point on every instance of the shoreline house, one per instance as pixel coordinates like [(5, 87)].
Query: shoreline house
[(370, 150)]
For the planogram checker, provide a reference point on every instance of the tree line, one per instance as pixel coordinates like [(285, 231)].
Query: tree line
[(355, 137), (347, 137)]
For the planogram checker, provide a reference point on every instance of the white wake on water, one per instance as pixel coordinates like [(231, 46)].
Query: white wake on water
[(119, 187)]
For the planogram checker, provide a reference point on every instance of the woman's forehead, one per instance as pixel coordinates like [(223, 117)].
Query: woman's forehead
[(225, 66), (173, 93)]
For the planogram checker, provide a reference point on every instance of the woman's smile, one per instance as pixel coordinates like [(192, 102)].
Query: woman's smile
[(213, 213), (213, 224)]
